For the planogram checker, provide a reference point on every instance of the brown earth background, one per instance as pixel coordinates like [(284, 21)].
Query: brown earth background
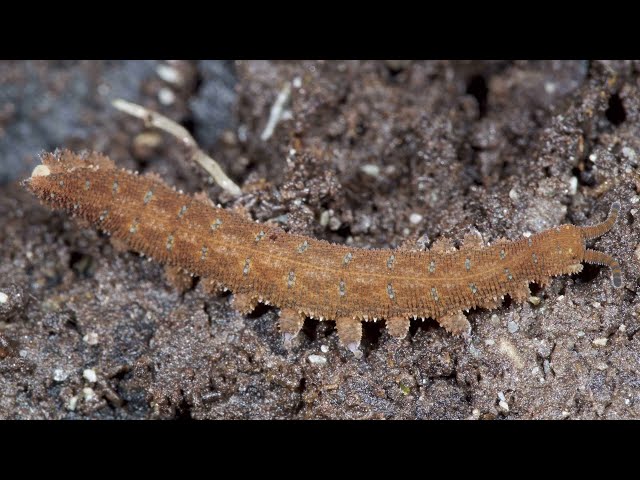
[(389, 152)]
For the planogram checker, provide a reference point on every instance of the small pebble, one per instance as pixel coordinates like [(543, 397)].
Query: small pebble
[(513, 194), (166, 96), (573, 185), (535, 371), (512, 326), (415, 218), (370, 169), (297, 82), (489, 342), (59, 375), (12, 301), (629, 153), (90, 375), (334, 224), (504, 405), (103, 89), (169, 74), (622, 328), (324, 218), (324, 348), (600, 342), (73, 402), (88, 394), (533, 300), (317, 359), (91, 338)]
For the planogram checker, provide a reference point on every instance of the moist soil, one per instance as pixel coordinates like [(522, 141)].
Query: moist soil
[(387, 154)]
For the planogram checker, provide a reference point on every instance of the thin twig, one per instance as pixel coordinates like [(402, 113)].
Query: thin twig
[(161, 122), (276, 111)]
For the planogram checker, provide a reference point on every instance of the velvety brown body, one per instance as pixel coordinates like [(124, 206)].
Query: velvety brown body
[(302, 275)]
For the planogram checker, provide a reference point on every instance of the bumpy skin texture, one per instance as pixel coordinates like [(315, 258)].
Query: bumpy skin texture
[(302, 275)]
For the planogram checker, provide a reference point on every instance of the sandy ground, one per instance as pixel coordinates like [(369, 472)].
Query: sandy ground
[(391, 152)]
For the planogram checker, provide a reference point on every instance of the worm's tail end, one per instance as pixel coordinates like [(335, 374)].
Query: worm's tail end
[(600, 258)]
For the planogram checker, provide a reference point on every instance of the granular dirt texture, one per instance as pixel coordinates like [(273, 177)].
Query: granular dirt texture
[(388, 154)]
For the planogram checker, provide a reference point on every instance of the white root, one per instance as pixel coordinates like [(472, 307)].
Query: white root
[(161, 122)]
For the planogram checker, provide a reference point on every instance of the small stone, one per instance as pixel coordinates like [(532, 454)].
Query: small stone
[(512, 326), (415, 218), (297, 82), (489, 342), (573, 185), (513, 194), (59, 375), (169, 74), (622, 328), (90, 375), (324, 348), (317, 359), (166, 96), (370, 169), (535, 371), (565, 414), (629, 153), (334, 224), (596, 304), (72, 403), (600, 342), (324, 218), (602, 366), (504, 405), (533, 300), (91, 338), (145, 143), (88, 394), (12, 301)]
